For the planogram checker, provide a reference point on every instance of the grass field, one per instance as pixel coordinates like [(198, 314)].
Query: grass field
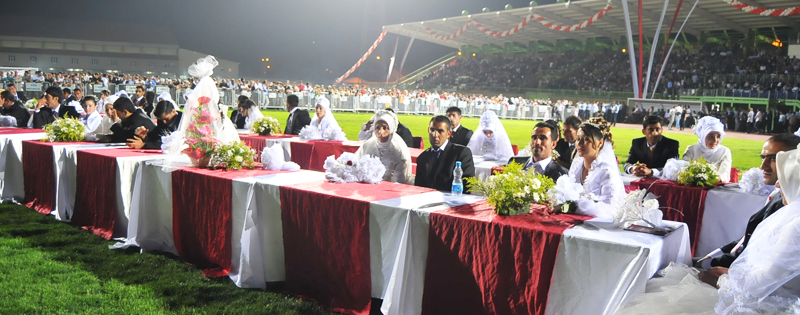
[(49, 267), (745, 152)]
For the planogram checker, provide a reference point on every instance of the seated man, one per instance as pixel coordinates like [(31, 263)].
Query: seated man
[(725, 255), (298, 118), (542, 146), (49, 108), (236, 115), (461, 134), (566, 144), (14, 108), (435, 166), (131, 120), (650, 153), (169, 118)]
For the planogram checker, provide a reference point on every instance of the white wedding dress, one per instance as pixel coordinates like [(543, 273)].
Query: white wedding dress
[(603, 187), (763, 280)]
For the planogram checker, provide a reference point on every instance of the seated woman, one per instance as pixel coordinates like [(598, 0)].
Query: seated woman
[(324, 126), (491, 140), (764, 279), (92, 118), (250, 112), (389, 147), (595, 167), (710, 132)]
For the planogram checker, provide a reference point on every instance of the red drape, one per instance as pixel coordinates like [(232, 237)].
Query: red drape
[(482, 263), (323, 149), (259, 142), (326, 240), (201, 216), (301, 153), (38, 172), (415, 154), (96, 191), (674, 199), (12, 131)]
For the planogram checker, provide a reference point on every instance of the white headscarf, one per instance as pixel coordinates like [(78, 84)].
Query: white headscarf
[(393, 153), (122, 93), (327, 126), (766, 276), (166, 97), (253, 114), (705, 126), (496, 148)]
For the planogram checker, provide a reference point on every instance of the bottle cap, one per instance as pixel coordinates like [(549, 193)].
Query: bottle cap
[(458, 163)]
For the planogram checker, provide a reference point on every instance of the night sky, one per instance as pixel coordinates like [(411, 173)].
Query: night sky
[(301, 38)]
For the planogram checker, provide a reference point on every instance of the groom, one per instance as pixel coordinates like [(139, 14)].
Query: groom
[(718, 261)]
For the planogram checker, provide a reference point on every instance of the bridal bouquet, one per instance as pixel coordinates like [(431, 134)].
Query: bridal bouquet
[(698, 174), (233, 156), (564, 195), (200, 135), (266, 126), (31, 103), (639, 207), (346, 169), (65, 130), (513, 191)]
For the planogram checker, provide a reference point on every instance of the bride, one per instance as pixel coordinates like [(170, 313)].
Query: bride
[(763, 280), (389, 147), (595, 168), (491, 140)]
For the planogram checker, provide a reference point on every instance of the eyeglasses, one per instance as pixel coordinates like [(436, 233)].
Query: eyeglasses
[(771, 157)]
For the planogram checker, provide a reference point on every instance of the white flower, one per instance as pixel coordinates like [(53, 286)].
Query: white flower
[(238, 158)]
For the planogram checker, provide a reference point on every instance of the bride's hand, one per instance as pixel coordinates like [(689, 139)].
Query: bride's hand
[(711, 276)]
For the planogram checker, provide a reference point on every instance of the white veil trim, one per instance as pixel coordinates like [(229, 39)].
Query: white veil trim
[(479, 144)]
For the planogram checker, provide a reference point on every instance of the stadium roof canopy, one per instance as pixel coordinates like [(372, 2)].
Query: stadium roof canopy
[(709, 15)]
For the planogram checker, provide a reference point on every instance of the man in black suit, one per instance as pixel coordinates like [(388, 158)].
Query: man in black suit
[(435, 166), (132, 119), (236, 116), (68, 97), (168, 120), (19, 96), (141, 101), (461, 134), (565, 146), (542, 146), (650, 153), (721, 259), (298, 118), (14, 108), (49, 108)]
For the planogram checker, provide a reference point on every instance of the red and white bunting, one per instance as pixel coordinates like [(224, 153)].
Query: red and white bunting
[(522, 24), (763, 11), (360, 61)]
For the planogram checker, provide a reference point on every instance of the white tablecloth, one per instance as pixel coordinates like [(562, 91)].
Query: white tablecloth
[(66, 168), (483, 169), (728, 209), (12, 180), (628, 178)]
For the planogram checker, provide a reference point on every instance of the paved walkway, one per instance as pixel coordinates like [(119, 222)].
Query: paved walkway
[(688, 131)]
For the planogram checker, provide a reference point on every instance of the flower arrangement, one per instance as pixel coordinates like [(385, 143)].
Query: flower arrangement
[(200, 134), (65, 130), (347, 169), (233, 156), (639, 207), (31, 103), (698, 174), (753, 182), (673, 168), (266, 126), (513, 191)]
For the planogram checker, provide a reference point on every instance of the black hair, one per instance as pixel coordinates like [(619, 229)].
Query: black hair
[(573, 121), (140, 87), (292, 100), (555, 127), (8, 85), (150, 96), (241, 99), (787, 139), (106, 92), (650, 120), (88, 98), (593, 132), (77, 89), (553, 130), (454, 109), (124, 103), (6, 95), (54, 91), (247, 104), (389, 109), (442, 119), (66, 91), (163, 107)]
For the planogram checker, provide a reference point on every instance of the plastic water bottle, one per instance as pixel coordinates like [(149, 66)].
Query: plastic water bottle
[(458, 184)]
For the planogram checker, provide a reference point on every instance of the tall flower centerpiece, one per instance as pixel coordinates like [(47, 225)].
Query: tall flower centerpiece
[(513, 191), (698, 174), (200, 136)]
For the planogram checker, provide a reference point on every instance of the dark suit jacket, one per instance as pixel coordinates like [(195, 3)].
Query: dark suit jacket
[(140, 103), (300, 119), (461, 136), (44, 117), (19, 112), (727, 259), (148, 109), (405, 133), (553, 170), (666, 149), (21, 96), (68, 100), (564, 153), (153, 139), (441, 178), (66, 111), (126, 129)]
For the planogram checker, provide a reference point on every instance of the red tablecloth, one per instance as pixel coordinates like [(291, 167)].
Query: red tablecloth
[(259, 142), (482, 263), (11, 131), (326, 240), (323, 149), (38, 171), (415, 154), (301, 152), (201, 216), (96, 189), (674, 199)]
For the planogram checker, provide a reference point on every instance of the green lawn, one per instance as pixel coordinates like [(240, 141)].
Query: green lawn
[(745, 152), (49, 267)]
